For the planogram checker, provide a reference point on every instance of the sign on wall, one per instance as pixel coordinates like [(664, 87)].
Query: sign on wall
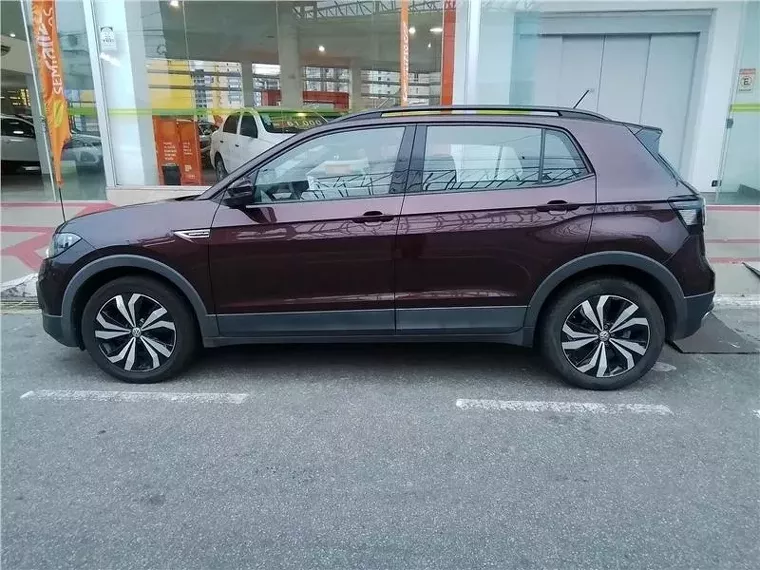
[(747, 79)]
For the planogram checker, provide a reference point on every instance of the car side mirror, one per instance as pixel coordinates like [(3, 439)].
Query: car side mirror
[(239, 193)]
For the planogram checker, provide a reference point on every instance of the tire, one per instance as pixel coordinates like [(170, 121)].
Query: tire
[(166, 338), (220, 169), (631, 336)]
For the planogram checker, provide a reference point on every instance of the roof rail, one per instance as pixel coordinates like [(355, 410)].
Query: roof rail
[(464, 109)]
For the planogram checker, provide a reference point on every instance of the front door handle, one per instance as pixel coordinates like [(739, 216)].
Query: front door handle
[(373, 216), (556, 206)]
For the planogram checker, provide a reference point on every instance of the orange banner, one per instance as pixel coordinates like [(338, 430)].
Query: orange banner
[(49, 63), (404, 54), (447, 51)]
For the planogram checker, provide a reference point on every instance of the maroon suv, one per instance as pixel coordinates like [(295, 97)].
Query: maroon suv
[(551, 227)]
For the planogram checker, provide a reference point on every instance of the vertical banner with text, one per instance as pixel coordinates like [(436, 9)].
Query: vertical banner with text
[(447, 51), (45, 33), (404, 54)]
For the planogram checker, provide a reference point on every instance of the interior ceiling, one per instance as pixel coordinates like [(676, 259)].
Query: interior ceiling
[(247, 31)]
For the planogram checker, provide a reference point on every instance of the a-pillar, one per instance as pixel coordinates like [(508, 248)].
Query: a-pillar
[(291, 77), (247, 81), (355, 86), (121, 85)]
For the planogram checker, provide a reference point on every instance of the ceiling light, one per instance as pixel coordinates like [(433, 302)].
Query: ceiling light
[(436, 30), (174, 3), (430, 45), (12, 35), (321, 49), (412, 30)]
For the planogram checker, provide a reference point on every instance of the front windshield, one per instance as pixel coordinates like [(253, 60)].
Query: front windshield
[(290, 122)]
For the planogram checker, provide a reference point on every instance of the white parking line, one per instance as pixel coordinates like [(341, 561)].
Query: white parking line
[(563, 407), (125, 396), (757, 413)]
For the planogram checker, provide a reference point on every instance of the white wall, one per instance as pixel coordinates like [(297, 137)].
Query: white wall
[(742, 156), (714, 79)]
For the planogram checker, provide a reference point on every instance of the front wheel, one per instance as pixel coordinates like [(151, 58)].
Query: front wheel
[(139, 330), (221, 170), (603, 334)]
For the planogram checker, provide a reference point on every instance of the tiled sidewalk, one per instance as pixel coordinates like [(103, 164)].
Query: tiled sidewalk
[(732, 236), (25, 230)]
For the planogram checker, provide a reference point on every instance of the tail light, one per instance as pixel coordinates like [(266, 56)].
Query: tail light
[(691, 211)]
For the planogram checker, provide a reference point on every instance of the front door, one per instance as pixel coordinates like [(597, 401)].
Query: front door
[(312, 254), (491, 211)]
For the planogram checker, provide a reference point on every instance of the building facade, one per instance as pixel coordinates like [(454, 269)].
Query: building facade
[(132, 67)]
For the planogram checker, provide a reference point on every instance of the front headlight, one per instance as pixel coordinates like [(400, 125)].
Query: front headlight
[(60, 243)]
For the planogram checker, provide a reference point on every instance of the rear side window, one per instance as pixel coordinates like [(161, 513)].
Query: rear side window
[(230, 125), (464, 158)]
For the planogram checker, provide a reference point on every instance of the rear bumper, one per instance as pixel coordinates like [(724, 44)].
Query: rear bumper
[(697, 308)]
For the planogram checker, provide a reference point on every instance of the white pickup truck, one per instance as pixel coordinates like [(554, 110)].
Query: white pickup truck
[(249, 132)]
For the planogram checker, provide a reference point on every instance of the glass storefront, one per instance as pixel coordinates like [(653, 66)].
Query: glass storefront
[(171, 79)]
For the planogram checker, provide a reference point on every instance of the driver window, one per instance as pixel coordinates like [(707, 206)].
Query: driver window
[(349, 164)]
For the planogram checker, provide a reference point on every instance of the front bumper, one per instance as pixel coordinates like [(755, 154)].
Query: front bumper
[(697, 308), (53, 325)]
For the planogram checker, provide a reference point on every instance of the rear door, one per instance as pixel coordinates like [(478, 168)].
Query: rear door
[(491, 210), (312, 253)]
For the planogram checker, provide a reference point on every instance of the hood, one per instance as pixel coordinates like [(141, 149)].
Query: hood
[(142, 224)]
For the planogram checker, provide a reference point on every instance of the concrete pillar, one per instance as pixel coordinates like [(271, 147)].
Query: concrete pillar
[(124, 87), (247, 83), (291, 76), (355, 86), (483, 52)]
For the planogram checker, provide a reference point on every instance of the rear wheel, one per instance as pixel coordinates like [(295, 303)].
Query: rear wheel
[(139, 330), (603, 334)]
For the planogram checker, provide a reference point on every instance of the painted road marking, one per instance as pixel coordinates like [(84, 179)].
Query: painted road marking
[(663, 367), (563, 407), (757, 413), (125, 396)]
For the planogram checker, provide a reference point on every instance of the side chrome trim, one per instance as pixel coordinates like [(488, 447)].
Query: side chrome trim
[(191, 235)]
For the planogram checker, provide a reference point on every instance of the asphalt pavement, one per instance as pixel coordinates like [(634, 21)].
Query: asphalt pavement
[(410, 457)]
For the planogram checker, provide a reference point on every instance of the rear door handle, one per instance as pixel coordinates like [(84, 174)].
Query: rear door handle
[(373, 216), (556, 206)]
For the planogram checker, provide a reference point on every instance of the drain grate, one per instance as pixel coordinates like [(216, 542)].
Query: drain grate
[(10, 305)]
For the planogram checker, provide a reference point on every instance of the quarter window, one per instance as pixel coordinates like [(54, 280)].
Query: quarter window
[(349, 164), (465, 158)]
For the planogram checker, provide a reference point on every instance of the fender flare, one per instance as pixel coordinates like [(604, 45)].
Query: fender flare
[(206, 323), (619, 258)]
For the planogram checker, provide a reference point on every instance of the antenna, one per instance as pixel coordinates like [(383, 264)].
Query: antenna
[(578, 102)]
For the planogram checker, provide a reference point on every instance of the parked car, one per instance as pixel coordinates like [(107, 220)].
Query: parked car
[(249, 132), (19, 144), (545, 227)]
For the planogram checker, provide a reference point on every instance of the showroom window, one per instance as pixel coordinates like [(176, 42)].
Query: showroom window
[(170, 68)]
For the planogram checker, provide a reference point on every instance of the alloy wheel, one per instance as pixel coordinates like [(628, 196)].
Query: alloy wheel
[(136, 334), (605, 336)]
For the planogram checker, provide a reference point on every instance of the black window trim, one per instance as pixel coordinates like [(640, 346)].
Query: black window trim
[(417, 164), (398, 178)]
